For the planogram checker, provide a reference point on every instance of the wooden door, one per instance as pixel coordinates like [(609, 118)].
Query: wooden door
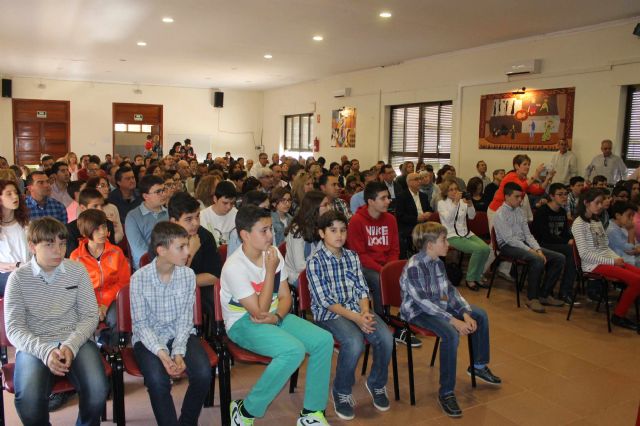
[(131, 125), (40, 127)]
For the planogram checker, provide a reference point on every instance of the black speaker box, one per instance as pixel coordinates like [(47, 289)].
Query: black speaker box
[(6, 88), (636, 30), (218, 99)]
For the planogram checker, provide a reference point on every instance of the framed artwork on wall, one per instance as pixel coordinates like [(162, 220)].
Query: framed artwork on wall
[(343, 128), (527, 120)]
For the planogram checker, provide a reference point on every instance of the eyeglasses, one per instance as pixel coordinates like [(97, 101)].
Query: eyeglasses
[(159, 191), (102, 185), (168, 186), (285, 200)]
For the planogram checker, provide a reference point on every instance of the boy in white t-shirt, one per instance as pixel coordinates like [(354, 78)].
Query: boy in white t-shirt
[(220, 218), (256, 300)]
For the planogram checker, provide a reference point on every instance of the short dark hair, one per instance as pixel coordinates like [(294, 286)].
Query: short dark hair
[(238, 175), (599, 178), (55, 168), (90, 220), (87, 195), (46, 229), (575, 179), (618, 189), (73, 187), (121, 171), (511, 187), (46, 158), (324, 178), (555, 187), (32, 174), (254, 197), (372, 189), (94, 159), (225, 189), (182, 203), (619, 207), (327, 219), (163, 235), (248, 216), (147, 182)]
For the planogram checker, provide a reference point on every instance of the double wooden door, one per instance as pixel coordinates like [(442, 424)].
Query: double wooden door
[(40, 127)]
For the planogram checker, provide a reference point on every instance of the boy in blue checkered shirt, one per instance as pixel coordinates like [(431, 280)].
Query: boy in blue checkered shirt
[(340, 304)]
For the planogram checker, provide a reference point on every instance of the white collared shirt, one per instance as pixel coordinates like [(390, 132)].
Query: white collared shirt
[(49, 278), (416, 199)]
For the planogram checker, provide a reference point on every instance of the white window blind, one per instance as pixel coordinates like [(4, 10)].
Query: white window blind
[(632, 128), (297, 132), (421, 131)]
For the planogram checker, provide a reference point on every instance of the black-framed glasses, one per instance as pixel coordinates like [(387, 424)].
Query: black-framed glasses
[(159, 191)]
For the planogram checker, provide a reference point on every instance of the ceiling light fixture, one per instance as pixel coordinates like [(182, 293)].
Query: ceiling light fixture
[(167, 19), (318, 38), (142, 43), (268, 56), (385, 14)]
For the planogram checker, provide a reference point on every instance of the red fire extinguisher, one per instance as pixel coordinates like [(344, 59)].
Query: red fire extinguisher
[(316, 144)]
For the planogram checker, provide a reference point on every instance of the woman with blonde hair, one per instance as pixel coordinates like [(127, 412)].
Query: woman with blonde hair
[(72, 161), (205, 189), (302, 183)]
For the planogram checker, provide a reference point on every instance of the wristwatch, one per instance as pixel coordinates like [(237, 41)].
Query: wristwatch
[(18, 264), (279, 322)]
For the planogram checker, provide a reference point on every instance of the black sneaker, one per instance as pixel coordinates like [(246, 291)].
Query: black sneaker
[(567, 301), (379, 397), (343, 405), (623, 322), (450, 405), (57, 400), (401, 337), (485, 375)]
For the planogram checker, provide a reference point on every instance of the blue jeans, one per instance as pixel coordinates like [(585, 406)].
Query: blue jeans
[(372, 278), (33, 382), (351, 340), (555, 262), (449, 339), (158, 383)]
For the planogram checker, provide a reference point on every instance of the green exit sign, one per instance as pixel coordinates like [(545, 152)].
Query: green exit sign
[(137, 117)]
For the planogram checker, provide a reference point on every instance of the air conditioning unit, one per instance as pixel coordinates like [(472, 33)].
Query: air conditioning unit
[(530, 66), (342, 92)]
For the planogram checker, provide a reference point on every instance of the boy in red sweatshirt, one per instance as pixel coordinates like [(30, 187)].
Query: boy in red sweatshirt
[(373, 235)]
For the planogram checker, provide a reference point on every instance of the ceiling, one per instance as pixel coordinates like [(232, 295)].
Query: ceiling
[(220, 44)]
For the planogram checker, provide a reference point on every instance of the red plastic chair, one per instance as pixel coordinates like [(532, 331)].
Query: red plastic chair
[(126, 361), (222, 251), (479, 225), (145, 259), (231, 351), (520, 276), (60, 385), (391, 297), (283, 248)]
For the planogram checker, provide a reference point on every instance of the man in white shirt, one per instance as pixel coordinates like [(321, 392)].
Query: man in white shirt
[(607, 164), (564, 162), (263, 164), (481, 167), (220, 218)]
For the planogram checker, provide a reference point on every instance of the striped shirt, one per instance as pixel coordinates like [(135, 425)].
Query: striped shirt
[(512, 229), (335, 281), (162, 311), (51, 207), (426, 289), (43, 310), (592, 243)]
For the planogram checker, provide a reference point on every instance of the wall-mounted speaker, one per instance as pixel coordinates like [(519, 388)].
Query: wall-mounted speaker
[(636, 30), (218, 99), (6, 88)]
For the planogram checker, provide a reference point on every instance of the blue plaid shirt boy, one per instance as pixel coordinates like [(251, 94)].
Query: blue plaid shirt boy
[(335, 281), (51, 207)]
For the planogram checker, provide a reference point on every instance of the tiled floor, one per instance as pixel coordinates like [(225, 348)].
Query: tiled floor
[(555, 373)]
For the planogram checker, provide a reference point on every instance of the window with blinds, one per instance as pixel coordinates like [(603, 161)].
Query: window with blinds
[(421, 132), (631, 144), (297, 132)]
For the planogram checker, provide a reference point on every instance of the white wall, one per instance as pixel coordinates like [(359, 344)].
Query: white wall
[(597, 62), (186, 111)]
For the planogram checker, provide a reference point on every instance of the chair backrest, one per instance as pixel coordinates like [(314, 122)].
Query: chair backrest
[(390, 283), (283, 248), (218, 328), (576, 257), (197, 309), (434, 217), (4, 340), (222, 251), (145, 259), (479, 225), (494, 241), (304, 294)]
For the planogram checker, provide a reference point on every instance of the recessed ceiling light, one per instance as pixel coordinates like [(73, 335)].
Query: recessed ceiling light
[(268, 56), (318, 38), (142, 43), (385, 14), (123, 60), (167, 19)]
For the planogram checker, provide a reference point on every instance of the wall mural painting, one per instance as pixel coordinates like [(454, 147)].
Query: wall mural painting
[(343, 128), (531, 121)]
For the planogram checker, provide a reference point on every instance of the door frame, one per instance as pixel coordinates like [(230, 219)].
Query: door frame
[(130, 104)]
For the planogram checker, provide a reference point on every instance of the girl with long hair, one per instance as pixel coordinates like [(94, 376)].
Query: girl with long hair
[(302, 183), (14, 248)]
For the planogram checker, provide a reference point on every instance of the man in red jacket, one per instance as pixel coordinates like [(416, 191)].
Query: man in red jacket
[(373, 234)]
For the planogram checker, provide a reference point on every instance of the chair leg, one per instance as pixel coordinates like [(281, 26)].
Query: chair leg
[(293, 381), (496, 264), (637, 316), (208, 402), (412, 391), (394, 366), (605, 293), (367, 346), (472, 361), (118, 392), (224, 385), (435, 352), (575, 294), (1, 405)]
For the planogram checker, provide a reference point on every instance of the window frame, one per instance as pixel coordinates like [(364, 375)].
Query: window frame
[(299, 149), (420, 154), (631, 90)]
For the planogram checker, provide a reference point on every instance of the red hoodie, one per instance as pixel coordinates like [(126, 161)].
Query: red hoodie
[(375, 240)]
